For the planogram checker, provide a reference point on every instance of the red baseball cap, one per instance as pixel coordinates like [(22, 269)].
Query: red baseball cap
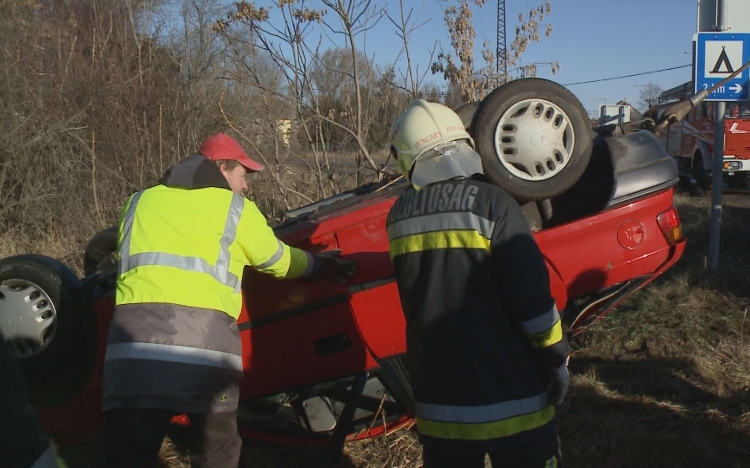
[(222, 147)]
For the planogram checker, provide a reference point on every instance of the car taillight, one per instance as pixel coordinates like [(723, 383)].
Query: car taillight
[(669, 223)]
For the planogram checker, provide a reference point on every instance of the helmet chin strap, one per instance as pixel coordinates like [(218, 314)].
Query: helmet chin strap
[(450, 162)]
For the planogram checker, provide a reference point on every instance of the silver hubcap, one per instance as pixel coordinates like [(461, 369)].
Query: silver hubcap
[(27, 317), (534, 140)]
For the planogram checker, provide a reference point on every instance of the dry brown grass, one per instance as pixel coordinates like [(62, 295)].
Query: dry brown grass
[(663, 381)]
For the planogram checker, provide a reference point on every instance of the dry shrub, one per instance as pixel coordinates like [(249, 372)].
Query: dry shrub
[(53, 243)]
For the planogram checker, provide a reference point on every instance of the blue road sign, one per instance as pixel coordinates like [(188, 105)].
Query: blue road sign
[(718, 55)]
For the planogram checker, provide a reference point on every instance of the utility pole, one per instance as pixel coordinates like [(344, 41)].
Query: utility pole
[(502, 50), (717, 176)]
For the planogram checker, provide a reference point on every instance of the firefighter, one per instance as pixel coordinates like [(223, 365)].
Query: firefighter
[(173, 345), (23, 443), (485, 349)]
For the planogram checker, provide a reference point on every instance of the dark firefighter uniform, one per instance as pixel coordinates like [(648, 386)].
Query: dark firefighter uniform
[(482, 329), (23, 443), (173, 343)]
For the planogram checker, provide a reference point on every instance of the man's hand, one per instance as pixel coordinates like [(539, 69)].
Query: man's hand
[(559, 383), (331, 267)]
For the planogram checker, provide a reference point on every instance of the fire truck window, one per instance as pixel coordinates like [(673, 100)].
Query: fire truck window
[(737, 109)]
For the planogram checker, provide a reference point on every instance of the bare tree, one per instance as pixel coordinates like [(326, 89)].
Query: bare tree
[(355, 17), (287, 43), (93, 95), (527, 32), (649, 96), (406, 24), (461, 70)]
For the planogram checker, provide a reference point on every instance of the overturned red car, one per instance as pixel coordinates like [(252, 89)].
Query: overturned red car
[(323, 362)]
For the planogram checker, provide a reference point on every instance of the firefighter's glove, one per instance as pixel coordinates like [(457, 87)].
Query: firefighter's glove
[(559, 383), (331, 267)]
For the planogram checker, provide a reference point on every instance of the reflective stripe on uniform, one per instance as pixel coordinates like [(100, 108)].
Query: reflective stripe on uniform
[(220, 271), (484, 413), (487, 430), (172, 353), (442, 222), (543, 323), (439, 240), (549, 337)]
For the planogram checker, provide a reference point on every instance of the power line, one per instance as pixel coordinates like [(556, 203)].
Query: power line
[(628, 76)]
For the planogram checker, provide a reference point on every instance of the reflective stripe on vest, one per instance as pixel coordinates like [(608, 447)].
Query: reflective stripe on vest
[(220, 271), (484, 422), (274, 258), (172, 353)]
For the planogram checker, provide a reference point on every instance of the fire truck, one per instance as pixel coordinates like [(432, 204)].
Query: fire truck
[(691, 141)]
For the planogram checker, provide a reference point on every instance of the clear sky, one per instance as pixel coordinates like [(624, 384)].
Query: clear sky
[(591, 39)]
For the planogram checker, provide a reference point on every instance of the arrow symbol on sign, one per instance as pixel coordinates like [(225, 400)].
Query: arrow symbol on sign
[(736, 88)]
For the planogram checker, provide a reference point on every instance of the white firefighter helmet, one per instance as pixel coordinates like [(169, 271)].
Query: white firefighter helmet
[(430, 144)]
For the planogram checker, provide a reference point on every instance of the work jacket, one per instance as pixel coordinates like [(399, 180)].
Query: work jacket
[(482, 330), (183, 245)]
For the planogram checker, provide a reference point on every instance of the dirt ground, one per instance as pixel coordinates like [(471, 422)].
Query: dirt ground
[(736, 199)]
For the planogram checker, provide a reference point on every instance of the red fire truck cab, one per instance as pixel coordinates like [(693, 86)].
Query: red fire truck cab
[(691, 141)]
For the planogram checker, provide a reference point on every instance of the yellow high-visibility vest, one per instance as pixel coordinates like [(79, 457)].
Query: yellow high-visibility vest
[(189, 248)]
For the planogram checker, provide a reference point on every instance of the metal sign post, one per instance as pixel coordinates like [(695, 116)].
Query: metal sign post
[(719, 55), (717, 186), (717, 183)]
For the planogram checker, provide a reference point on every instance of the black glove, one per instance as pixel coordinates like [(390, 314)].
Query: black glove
[(559, 383), (331, 267)]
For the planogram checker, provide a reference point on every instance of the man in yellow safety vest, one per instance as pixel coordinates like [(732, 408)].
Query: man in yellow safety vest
[(173, 345)]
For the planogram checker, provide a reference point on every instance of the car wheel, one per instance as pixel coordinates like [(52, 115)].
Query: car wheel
[(467, 113), (100, 252), (534, 138), (42, 325)]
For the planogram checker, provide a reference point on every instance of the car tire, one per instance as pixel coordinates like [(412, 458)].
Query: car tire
[(534, 138), (100, 252), (44, 326), (467, 113)]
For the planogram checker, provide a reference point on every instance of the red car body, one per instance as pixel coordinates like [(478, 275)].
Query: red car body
[(304, 334)]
